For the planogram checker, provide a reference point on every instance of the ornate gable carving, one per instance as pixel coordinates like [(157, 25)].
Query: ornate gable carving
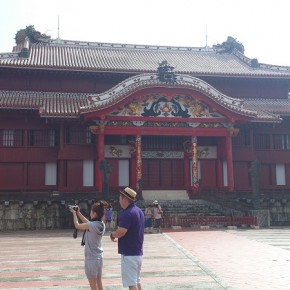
[(157, 105)]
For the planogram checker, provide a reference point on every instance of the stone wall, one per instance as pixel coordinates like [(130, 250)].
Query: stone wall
[(280, 214), (17, 215), (36, 215)]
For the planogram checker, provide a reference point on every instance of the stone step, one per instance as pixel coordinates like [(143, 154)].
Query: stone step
[(165, 195), (185, 208)]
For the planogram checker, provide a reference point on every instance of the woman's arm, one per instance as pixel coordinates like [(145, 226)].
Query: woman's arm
[(82, 218), (78, 226)]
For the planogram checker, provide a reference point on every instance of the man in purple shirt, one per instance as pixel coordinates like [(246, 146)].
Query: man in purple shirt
[(130, 235)]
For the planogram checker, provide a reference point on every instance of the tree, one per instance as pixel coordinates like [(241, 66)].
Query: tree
[(229, 45), (33, 35)]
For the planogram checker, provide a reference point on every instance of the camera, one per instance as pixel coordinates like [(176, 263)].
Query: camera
[(74, 207)]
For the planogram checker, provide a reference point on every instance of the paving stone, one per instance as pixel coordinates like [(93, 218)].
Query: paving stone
[(241, 259)]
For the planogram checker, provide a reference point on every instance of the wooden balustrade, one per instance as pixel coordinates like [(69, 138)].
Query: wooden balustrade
[(189, 221)]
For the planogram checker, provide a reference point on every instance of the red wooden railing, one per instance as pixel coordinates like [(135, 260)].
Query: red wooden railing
[(188, 221)]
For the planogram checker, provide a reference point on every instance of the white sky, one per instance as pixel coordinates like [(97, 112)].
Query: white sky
[(262, 26)]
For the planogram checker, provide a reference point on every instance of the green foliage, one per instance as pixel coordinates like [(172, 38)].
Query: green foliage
[(229, 45), (24, 53), (30, 32), (255, 63)]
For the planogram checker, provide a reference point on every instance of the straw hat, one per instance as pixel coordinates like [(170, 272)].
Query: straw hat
[(129, 193)]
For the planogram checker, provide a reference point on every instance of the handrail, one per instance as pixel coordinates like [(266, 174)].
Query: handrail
[(189, 221)]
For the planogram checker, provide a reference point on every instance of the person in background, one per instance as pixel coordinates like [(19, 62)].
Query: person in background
[(108, 217), (130, 235), (157, 214), (148, 218), (94, 230)]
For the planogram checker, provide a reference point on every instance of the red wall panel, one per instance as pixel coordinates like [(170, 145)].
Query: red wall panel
[(11, 175), (208, 173), (74, 174), (166, 176), (114, 176), (266, 176), (35, 174), (178, 173), (241, 176), (153, 173)]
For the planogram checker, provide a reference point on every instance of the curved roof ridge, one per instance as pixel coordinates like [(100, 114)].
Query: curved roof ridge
[(143, 81), (248, 61), (125, 46)]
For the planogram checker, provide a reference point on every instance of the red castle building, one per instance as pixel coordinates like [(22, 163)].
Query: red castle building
[(89, 117)]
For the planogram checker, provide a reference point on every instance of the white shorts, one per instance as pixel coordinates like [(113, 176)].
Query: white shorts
[(131, 270)]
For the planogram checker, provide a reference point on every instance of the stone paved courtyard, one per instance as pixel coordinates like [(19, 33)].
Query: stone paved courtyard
[(245, 259)]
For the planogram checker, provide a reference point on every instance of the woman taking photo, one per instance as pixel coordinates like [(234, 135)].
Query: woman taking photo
[(94, 230)]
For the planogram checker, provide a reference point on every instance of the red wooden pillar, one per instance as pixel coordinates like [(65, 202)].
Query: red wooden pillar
[(219, 165), (25, 164), (100, 156), (219, 175), (61, 169), (25, 175), (186, 171), (195, 182), (230, 168), (138, 164), (61, 178), (133, 166)]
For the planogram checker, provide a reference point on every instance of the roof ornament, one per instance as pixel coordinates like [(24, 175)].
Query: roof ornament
[(229, 46), (166, 73)]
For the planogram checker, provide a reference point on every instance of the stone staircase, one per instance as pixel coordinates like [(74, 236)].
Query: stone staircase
[(190, 207), (149, 195)]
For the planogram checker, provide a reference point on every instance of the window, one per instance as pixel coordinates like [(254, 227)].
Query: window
[(50, 173), (11, 138), (261, 141), (78, 135), (88, 173), (123, 173), (8, 137), (52, 138), (281, 141), (42, 138), (242, 139), (225, 173), (280, 174)]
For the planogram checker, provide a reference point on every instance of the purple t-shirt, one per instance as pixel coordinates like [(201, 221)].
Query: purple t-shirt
[(132, 219)]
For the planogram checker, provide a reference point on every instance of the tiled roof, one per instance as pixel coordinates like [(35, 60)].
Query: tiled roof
[(273, 106), (68, 105), (49, 104), (106, 57)]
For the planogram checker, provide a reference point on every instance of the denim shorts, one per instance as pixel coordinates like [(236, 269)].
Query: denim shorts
[(93, 268), (131, 270), (148, 222)]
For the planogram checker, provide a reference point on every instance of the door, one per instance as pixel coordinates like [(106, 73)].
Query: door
[(162, 174)]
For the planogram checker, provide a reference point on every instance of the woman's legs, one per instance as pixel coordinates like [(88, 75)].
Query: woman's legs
[(93, 284), (96, 284), (99, 283)]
